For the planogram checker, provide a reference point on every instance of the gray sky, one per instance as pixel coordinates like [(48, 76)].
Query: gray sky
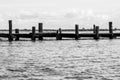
[(59, 12), (59, 5)]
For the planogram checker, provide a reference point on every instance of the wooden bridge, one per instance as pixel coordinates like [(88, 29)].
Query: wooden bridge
[(40, 34)]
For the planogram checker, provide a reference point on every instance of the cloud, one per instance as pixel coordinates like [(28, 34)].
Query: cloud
[(63, 19), (65, 16), (27, 15), (1, 18)]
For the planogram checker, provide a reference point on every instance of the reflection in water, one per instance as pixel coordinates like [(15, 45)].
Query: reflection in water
[(60, 60)]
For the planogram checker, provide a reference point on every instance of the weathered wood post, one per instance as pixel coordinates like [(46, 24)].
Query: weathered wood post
[(33, 34), (60, 32), (10, 37), (17, 32), (97, 33), (76, 32), (94, 28), (110, 30), (40, 30), (59, 36)]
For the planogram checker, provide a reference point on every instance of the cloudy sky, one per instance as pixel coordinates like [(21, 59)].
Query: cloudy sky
[(59, 13)]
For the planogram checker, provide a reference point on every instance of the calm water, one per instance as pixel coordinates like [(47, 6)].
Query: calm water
[(60, 60)]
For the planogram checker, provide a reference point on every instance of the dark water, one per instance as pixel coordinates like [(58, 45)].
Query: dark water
[(60, 60)]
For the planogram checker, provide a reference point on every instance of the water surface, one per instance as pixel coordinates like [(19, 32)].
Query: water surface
[(60, 60)]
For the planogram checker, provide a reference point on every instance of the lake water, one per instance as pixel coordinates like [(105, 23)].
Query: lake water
[(60, 60)]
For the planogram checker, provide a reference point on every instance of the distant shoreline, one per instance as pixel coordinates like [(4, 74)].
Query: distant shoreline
[(62, 30)]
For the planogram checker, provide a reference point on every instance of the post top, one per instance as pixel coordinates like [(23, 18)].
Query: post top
[(97, 26), (110, 22), (76, 24), (40, 23)]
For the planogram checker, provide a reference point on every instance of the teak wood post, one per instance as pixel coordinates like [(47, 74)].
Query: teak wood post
[(33, 34), (59, 36), (110, 30), (97, 32), (94, 28), (76, 32), (40, 30), (10, 38), (17, 32)]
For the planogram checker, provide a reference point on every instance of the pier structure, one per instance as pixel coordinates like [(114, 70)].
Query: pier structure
[(58, 34)]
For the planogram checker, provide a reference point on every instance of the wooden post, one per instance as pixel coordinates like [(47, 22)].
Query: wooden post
[(17, 32), (97, 33), (94, 28), (40, 30), (59, 36), (110, 30), (76, 32), (60, 32), (10, 38), (33, 34)]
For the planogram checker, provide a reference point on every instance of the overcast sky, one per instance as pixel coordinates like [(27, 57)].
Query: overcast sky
[(60, 5), (59, 11)]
